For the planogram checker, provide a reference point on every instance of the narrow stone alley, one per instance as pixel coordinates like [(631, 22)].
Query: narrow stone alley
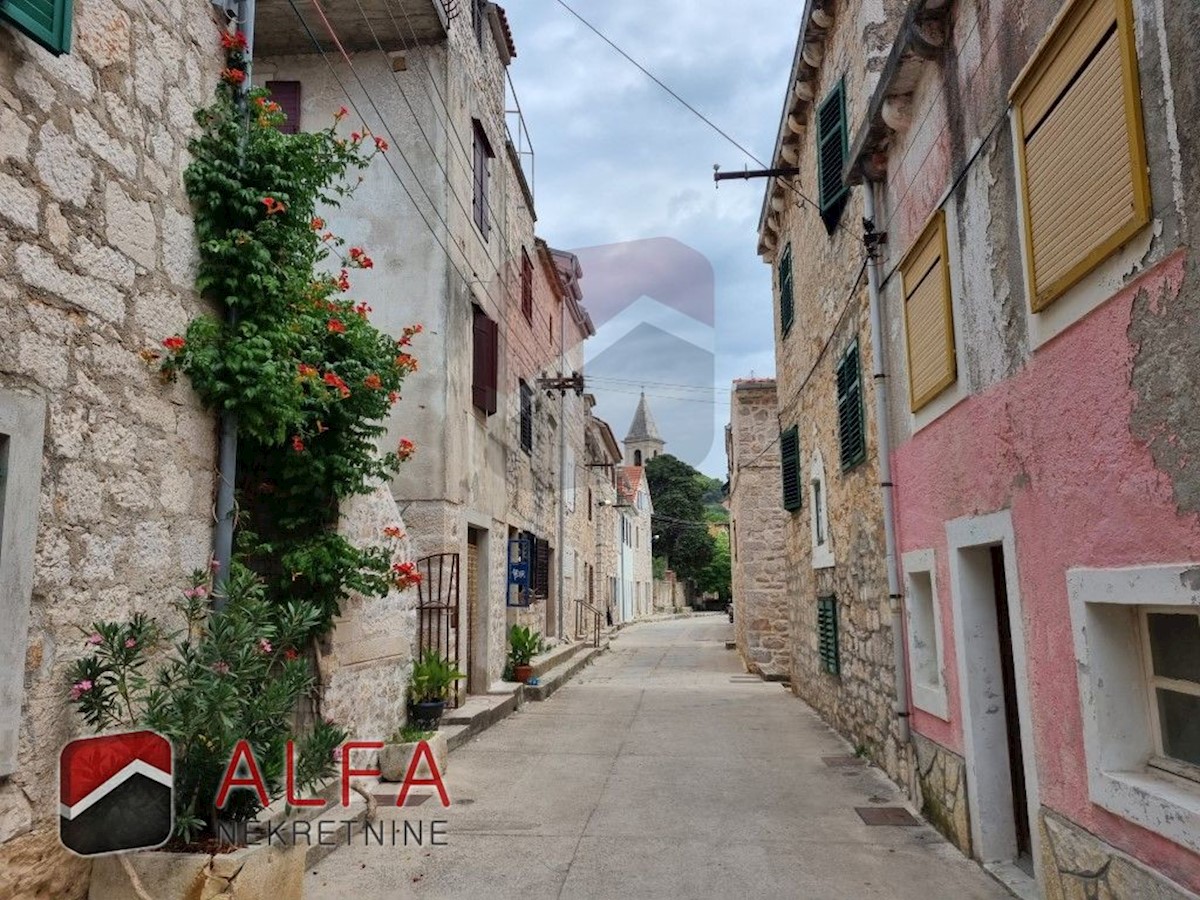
[(662, 771)]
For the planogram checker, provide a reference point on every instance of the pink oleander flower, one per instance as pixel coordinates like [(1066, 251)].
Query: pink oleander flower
[(130, 643), (94, 638), (264, 646), (79, 688), (221, 667)]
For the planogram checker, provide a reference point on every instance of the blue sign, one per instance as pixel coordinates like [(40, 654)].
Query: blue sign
[(519, 571)]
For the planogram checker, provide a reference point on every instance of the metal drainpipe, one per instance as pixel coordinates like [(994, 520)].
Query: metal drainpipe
[(228, 439), (899, 648), (562, 468)]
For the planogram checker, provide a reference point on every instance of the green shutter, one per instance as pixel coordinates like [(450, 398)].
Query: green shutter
[(787, 298), (46, 21), (827, 635), (789, 456), (832, 148), (851, 432)]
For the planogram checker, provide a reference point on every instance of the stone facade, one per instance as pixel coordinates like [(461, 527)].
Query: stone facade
[(839, 48), (758, 527), (1047, 481), (97, 257)]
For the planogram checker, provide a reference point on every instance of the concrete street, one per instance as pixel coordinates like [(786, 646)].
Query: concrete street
[(662, 771)]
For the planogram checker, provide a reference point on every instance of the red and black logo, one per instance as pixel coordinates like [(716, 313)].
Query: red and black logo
[(115, 793)]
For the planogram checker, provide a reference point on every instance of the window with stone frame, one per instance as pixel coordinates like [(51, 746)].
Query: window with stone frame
[(526, 286), (526, 418), (482, 154), (1171, 642), (832, 149), (485, 372), (287, 95)]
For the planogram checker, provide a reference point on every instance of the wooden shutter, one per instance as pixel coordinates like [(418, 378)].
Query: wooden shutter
[(486, 362), (1081, 146), (526, 286), (526, 418), (46, 21), (287, 95), (482, 153), (851, 433), (541, 568), (789, 457), (831, 153), (928, 317), (827, 635), (787, 299)]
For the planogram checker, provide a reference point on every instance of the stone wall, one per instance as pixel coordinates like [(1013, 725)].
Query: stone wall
[(941, 781), (1076, 863), (757, 530), (97, 258), (830, 315)]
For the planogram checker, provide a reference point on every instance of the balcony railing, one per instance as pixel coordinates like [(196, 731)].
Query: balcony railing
[(518, 135)]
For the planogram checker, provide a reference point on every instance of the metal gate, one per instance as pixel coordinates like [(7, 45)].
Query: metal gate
[(437, 611)]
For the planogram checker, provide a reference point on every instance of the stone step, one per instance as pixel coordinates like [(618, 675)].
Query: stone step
[(479, 712), (558, 676), (554, 658)]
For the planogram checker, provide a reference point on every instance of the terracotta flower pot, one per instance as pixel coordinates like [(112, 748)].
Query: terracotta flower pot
[(523, 673)]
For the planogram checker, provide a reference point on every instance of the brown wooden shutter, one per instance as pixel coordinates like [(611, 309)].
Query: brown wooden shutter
[(526, 286), (287, 95), (1081, 147), (485, 362), (541, 568), (928, 317)]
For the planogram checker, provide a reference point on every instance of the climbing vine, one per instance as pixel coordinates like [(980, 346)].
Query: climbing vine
[(296, 359)]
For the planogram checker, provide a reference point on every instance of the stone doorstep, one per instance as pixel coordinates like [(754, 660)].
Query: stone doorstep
[(481, 711), (557, 677), (555, 657)]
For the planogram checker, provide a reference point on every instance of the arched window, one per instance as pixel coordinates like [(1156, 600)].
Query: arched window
[(637, 457)]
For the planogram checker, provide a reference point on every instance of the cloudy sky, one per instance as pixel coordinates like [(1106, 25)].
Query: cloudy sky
[(618, 162)]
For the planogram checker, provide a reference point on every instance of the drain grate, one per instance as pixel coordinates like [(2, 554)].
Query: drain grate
[(843, 762), (885, 815)]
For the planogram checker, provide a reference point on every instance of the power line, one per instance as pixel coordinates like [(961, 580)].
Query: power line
[(337, 42), (703, 118)]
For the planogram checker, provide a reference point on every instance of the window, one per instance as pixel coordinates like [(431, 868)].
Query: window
[(526, 286), (486, 365), (851, 433), (22, 420), (1137, 655), (789, 460), (637, 457), (787, 300), (1080, 147), (46, 21), (827, 635), (822, 545), (482, 152), (832, 148), (1172, 657), (928, 318), (590, 506), (526, 418), (287, 95), (924, 633)]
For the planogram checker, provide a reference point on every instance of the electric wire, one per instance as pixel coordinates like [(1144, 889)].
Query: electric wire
[(350, 99), (692, 109)]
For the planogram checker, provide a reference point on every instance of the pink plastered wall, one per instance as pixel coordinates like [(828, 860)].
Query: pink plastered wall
[(1053, 445)]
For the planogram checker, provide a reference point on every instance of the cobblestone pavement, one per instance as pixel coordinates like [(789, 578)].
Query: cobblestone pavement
[(662, 771)]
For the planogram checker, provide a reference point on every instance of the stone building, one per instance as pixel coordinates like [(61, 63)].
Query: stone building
[(636, 594), (502, 311), (1032, 171), (811, 234), (758, 524), (106, 473)]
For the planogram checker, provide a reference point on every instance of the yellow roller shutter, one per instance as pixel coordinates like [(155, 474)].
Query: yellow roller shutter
[(928, 314), (1081, 149)]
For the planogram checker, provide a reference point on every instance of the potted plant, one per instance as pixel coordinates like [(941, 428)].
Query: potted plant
[(396, 755), (433, 676), (523, 645)]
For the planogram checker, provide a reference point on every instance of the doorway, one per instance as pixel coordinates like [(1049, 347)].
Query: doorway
[(476, 681), (994, 696)]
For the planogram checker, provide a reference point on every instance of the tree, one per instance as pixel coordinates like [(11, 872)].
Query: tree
[(717, 576), (680, 531)]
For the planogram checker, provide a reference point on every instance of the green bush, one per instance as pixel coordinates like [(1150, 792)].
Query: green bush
[(523, 645)]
